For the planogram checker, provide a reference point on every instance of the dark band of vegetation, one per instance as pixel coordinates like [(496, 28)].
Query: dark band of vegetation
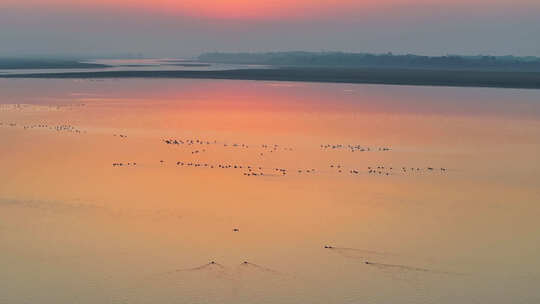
[(530, 80), (363, 60)]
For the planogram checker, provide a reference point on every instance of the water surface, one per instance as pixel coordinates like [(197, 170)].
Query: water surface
[(448, 213)]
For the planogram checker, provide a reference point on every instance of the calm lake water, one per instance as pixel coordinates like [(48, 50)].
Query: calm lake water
[(437, 189)]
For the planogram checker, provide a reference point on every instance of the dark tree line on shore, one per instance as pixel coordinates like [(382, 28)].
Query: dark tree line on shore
[(388, 60)]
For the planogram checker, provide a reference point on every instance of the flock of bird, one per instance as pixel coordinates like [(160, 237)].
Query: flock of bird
[(57, 128), (254, 170), (275, 147), (379, 170), (388, 170), (193, 142), (353, 148), (247, 170), (188, 142), (122, 164), (39, 108)]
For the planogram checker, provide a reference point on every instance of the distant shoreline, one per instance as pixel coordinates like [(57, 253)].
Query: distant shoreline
[(418, 77)]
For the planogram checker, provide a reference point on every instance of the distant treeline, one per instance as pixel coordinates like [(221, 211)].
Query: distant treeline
[(355, 60), (30, 63)]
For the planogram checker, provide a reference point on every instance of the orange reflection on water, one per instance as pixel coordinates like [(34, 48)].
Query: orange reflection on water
[(61, 196)]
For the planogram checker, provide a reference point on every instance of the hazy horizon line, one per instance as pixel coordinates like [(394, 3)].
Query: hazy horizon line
[(141, 55)]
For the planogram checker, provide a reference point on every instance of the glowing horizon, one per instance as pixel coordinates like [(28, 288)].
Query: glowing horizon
[(265, 10)]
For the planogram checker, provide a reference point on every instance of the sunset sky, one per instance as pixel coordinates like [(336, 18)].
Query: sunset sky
[(186, 28)]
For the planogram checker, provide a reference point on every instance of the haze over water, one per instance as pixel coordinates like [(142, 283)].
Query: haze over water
[(453, 221)]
